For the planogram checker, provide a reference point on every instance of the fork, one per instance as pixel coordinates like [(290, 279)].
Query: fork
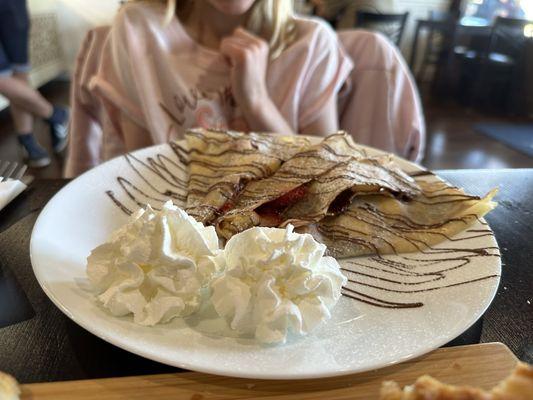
[(9, 170)]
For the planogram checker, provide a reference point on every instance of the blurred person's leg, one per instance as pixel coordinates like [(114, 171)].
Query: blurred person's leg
[(14, 62), (22, 119), (26, 102), (17, 90), (36, 155), (55, 116)]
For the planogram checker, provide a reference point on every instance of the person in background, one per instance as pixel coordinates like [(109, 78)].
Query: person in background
[(247, 65), (330, 9), (26, 103)]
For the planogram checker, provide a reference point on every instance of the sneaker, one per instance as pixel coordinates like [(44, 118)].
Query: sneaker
[(58, 123), (35, 154)]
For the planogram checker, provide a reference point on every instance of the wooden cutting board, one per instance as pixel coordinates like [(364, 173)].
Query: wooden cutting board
[(482, 365)]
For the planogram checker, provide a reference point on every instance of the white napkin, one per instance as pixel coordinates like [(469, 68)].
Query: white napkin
[(9, 190)]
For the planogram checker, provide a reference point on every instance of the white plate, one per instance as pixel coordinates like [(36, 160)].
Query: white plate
[(359, 337)]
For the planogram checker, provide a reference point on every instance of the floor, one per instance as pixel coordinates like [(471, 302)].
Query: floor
[(452, 143)]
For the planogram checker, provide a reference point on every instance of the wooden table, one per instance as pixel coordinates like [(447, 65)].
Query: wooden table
[(38, 343), (481, 365)]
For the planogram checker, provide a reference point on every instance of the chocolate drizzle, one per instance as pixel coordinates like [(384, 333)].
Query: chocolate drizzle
[(398, 281), (386, 281), (161, 178)]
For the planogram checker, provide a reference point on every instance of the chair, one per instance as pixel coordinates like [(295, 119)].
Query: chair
[(85, 134), (391, 25), (442, 22), (507, 40), (500, 63)]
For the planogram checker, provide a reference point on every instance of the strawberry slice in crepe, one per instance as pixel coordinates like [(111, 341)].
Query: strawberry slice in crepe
[(222, 162)]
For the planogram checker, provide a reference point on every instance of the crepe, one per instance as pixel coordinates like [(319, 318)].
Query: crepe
[(378, 224), (332, 192), (354, 204), (314, 183), (222, 162), (518, 386), (303, 167)]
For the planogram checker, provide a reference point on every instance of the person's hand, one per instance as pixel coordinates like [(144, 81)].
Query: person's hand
[(248, 57)]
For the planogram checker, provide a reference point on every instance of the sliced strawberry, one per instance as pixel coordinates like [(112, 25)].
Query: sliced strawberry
[(288, 198), (270, 212), (228, 205)]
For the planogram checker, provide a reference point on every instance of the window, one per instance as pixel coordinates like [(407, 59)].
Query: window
[(489, 9)]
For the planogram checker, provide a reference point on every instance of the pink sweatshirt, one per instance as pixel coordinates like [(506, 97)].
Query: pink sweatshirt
[(140, 83)]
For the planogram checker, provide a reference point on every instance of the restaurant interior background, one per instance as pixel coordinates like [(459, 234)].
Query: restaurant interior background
[(472, 59)]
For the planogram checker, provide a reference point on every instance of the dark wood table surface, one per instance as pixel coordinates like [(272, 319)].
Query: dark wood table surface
[(38, 343)]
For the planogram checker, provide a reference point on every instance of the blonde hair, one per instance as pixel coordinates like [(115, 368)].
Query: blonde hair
[(273, 20)]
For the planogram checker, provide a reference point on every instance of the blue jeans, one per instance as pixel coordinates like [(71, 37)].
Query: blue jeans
[(14, 32)]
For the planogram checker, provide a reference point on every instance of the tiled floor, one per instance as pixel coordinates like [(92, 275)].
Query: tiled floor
[(452, 142)]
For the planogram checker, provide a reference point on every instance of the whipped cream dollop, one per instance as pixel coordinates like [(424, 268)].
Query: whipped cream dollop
[(276, 281), (155, 266)]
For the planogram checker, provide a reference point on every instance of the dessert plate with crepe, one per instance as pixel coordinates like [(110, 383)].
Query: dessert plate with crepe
[(417, 262)]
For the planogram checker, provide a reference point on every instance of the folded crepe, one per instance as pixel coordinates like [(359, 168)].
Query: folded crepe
[(316, 182), (378, 224), (332, 192), (222, 162)]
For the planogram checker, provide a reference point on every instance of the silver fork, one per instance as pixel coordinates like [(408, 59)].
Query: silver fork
[(9, 170)]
